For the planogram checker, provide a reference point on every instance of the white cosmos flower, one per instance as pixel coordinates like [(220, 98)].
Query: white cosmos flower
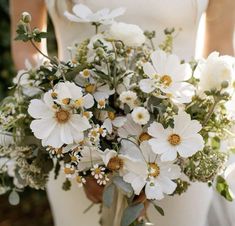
[(214, 70), (148, 171), (130, 34), (56, 125), (82, 14), (140, 115), (183, 138), (68, 91), (113, 121), (168, 74)]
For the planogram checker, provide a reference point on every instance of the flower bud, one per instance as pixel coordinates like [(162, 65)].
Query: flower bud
[(224, 84), (26, 17)]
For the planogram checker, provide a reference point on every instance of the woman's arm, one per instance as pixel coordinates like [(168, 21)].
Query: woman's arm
[(21, 50), (220, 23)]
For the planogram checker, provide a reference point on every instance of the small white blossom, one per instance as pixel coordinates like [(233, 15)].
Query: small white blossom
[(129, 98), (140, 115), (97, 171)]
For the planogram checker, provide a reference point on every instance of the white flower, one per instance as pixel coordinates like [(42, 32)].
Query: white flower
[(130, 129), (215, 70), (90, 155), (140, 115), (103, 180), (129, 98), (83, 14), (65, 92), (69, 171), (97, 171), (148, 171), (169, 75), (29, 85), (183, 138), (130, 34), (113, 121), (56, 125), (6, 138)]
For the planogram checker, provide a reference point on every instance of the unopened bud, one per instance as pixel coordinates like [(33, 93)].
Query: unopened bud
[(26, 17), (224, 84)]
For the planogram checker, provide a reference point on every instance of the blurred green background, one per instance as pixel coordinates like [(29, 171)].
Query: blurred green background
[(34, 207)]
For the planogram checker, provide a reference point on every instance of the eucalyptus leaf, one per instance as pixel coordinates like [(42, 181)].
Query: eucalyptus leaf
[(122, 185), (223, 188), (131, 213), (108, 195)]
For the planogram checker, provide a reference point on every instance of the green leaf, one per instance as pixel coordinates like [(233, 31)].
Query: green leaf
[(223, 188), (108, 195), (122, 185), (131, 213), (159, 209)]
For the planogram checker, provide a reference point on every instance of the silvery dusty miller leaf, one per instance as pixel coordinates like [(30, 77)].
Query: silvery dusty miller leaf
[(131, 213), (108, 195)]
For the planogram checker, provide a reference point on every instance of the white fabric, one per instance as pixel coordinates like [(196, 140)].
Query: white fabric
[(189, 209)]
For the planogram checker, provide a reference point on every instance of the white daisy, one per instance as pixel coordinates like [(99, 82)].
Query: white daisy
[(97, 171), (168, 74), (148, 171), (129, 98), (56, 125), (140, 115), (103, 180), (83, 14), (69, 171), (183, 138), (113, 121)]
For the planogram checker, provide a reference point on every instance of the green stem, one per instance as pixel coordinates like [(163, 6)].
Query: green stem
[(212, 108)]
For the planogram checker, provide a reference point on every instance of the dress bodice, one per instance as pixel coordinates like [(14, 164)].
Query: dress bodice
[(150, 15)]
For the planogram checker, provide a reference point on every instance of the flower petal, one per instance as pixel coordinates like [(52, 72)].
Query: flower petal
[(38, 109), (149, 70), (82, 11), (147, 85), (153, 191), (167, 185)]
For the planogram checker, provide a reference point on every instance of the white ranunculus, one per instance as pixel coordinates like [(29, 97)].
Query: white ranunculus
[(214, 70), (130, 34)]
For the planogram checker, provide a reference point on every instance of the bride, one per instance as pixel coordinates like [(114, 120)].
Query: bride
[(192, 207)]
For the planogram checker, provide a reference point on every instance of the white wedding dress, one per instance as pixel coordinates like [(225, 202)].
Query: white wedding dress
[(191, 208)]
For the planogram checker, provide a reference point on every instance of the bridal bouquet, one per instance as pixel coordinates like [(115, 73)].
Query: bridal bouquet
[(124, 111)]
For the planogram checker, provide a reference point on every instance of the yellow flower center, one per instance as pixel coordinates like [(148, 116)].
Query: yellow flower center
[(101, 130), (58, 151), (90, 88), (166, 80), (111, 115), (174, 139), (97, 171), (154, 170), (86, 114), (54, 95), (79, 179), (62, 116), (66, 101), (69, 170), (79, 102), (86, 73), (94, 133), (115, 163), (144, 137), (101, 103), (140, 116), (73, 158)]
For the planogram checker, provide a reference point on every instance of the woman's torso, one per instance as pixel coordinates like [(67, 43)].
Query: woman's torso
[(149, 15)]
